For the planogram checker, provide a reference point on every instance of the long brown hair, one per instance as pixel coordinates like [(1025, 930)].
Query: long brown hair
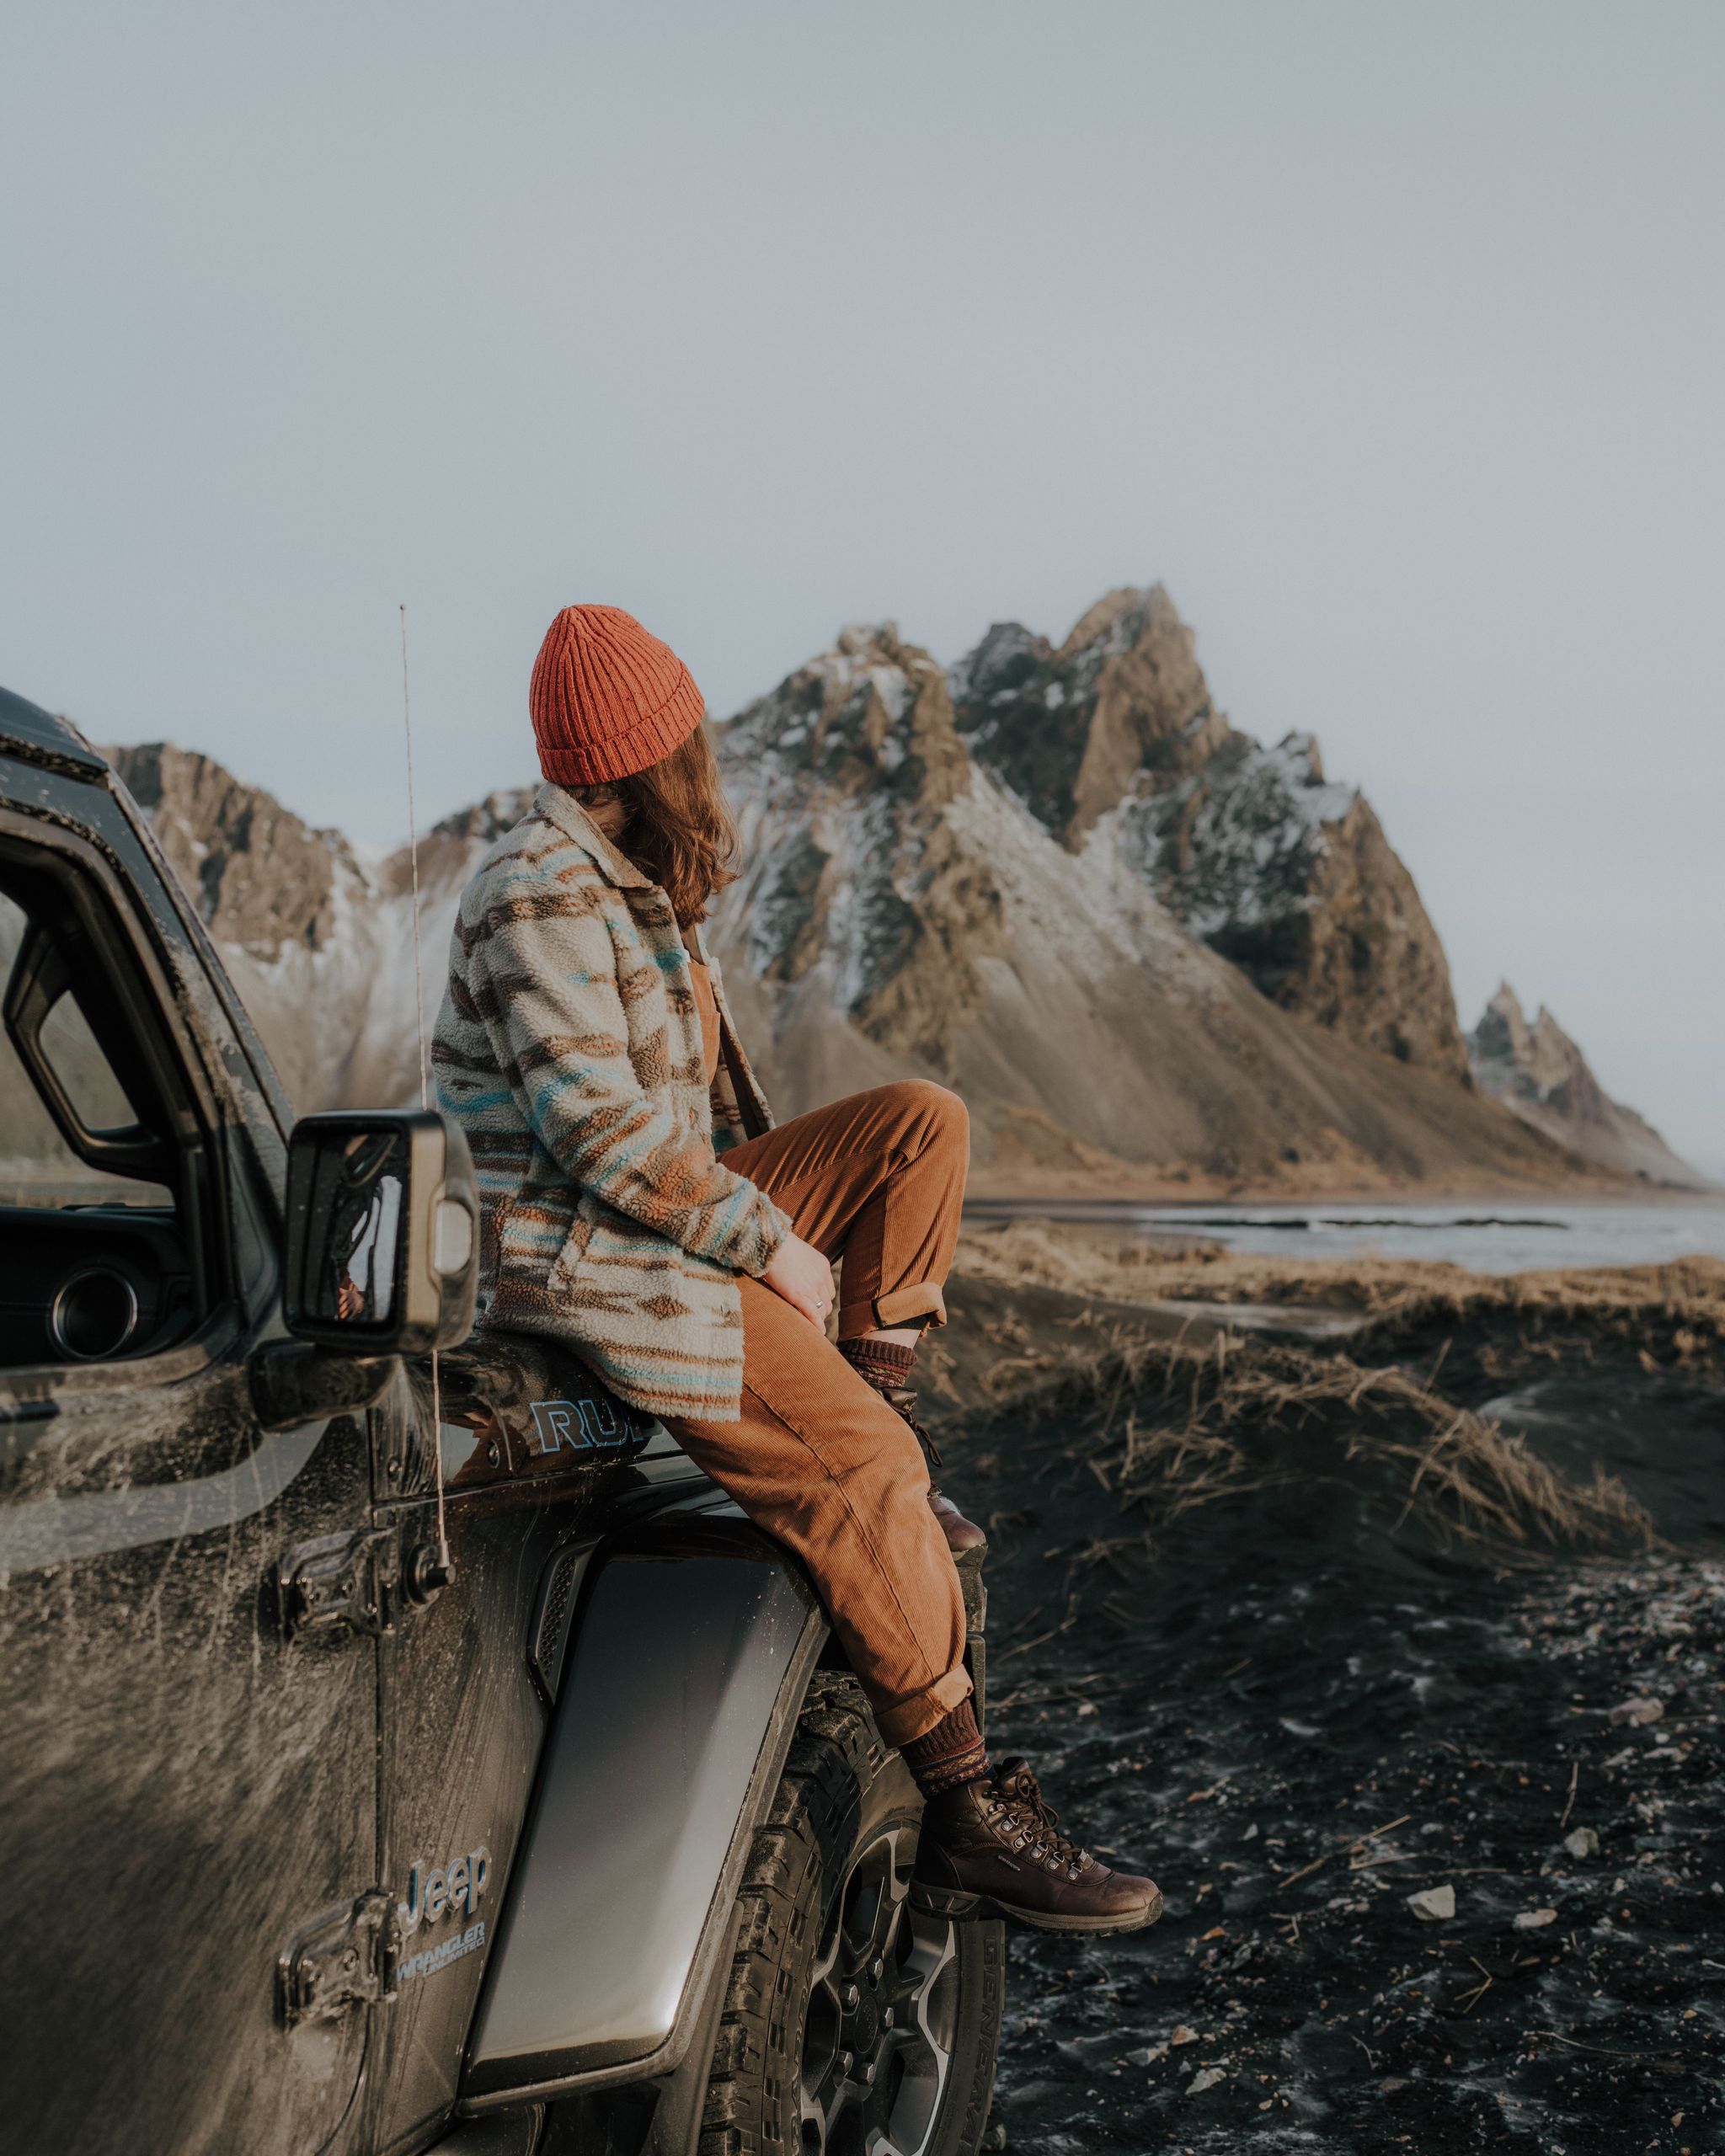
[(674, 825)]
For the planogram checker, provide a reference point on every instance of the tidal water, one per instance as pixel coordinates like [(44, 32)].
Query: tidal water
[(1488, 1238)]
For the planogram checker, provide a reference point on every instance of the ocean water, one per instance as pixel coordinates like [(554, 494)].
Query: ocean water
[(1487, 1238)]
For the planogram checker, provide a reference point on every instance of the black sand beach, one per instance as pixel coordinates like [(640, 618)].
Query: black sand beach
[(1306, 1626)]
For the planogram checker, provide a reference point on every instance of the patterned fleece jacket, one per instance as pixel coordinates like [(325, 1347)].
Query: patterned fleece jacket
[(569, 1048)]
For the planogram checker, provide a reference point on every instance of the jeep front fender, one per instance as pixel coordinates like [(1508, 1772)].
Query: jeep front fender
[(679, 1691)]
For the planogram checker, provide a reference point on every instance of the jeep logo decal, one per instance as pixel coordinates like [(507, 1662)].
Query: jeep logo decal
[(434, 1894)]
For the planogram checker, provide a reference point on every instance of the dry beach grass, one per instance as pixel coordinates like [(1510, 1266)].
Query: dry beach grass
[(1208, 1426), (1201, 1410)]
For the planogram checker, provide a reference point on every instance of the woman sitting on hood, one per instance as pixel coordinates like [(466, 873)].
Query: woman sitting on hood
[(638, 1203)]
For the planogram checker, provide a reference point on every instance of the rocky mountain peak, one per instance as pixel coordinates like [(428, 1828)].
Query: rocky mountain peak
[(1000, 666), (1115, 622), (1105, 758), (1113, 740), (262, 879), (865, 640), (1502, 1033), (871, 712), (1544, 1058), (843, 777), (1539, 1071), (1121, 706), (1539, 1062)]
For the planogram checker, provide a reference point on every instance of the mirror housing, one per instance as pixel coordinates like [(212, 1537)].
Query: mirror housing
[(382, 1232)]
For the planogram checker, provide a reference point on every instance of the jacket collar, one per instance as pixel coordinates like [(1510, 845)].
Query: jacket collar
[(560, 807)]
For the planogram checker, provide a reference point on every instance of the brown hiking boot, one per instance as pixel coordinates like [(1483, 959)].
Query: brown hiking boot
[(963, 1535), (994, 1849)]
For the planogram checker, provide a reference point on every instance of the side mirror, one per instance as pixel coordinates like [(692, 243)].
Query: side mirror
[(382, 1232)]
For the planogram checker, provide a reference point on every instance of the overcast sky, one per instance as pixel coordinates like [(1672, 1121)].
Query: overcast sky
[(1390, 338)]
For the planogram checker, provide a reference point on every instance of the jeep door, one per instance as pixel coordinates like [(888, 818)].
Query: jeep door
[(463, 1718), (183, 1789)]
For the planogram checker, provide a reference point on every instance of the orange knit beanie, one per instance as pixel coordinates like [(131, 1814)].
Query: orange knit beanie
[(607, 699)]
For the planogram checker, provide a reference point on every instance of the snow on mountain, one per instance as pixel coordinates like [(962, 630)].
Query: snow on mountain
[(1233, 845), (1540, 1074)]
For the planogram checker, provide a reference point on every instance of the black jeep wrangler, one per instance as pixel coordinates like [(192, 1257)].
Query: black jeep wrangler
[(402, 1745)]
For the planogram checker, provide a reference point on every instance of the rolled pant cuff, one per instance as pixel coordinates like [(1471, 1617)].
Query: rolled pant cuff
[(922, 1298), (908, 1718)]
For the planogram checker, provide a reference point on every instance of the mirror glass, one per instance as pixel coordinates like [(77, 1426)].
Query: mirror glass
[(355, 1226)]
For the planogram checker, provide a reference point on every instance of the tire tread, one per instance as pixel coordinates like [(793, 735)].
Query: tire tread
[(835, 1753)]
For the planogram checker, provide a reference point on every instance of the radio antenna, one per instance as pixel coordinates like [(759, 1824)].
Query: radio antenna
[(407, 726)]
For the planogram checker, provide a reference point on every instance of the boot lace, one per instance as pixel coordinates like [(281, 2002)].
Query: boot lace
[(903, 1401), (1020, 1797)]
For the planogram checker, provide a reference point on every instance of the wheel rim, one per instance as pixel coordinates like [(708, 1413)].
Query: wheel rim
[(882, 2015)]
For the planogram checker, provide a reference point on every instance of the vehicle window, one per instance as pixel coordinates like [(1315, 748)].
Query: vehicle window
[(37, 1167), (86, 1072), (97, 1247)]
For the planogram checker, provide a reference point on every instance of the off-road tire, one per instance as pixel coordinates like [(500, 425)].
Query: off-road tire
[(844, 1799)]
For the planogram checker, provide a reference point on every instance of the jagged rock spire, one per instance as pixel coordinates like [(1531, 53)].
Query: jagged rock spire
[(1538, 1072), (1113, 737)]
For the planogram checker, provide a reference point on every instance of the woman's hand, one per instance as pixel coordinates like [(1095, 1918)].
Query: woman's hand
[(803, 1277)]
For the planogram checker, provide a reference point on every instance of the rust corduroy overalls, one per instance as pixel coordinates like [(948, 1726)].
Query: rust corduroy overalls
[(817, 1458)]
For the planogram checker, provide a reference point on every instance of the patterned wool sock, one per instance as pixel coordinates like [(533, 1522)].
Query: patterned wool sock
[(884, 1364), (951, 1753)]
